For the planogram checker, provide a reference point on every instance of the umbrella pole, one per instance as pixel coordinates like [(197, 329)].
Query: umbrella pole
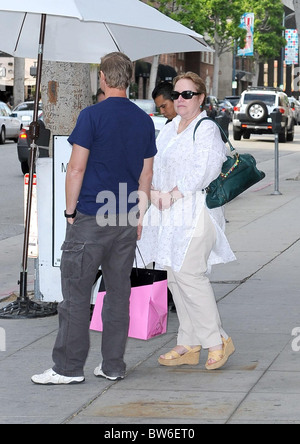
[(33, 134), (23, 307)]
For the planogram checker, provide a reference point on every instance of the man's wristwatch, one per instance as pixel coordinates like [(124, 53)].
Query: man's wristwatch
[(71, 216)]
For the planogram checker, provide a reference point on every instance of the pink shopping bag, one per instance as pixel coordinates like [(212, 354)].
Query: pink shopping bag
[(148, 304)]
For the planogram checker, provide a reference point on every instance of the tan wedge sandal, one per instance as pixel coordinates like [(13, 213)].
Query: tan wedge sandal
[(220, 356), (173, 358)]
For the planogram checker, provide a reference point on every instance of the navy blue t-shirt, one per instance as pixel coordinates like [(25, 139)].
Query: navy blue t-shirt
[(119, 136)]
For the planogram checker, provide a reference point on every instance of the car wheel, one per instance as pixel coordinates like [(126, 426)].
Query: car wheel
[(237, 134), (2, 136), (24, 167), (283, 135), (291, 134), (257, 111)]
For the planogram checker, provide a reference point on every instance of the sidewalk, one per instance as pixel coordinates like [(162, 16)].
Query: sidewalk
[(258, 298), (11, 251)]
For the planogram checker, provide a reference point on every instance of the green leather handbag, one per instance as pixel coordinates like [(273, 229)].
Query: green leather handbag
[(239, 173)]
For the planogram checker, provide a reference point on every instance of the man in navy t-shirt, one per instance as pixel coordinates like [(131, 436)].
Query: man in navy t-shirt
[(119, 136), (108, 178)]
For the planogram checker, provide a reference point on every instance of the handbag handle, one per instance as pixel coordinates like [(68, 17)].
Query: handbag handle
[(136, 266), (232, 149)]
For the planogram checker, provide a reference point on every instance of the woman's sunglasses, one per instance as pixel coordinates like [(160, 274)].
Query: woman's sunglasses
[(187, 95)]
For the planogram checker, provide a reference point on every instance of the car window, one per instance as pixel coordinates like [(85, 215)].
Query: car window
[(146, 105), (23, 107), (3, 110), (8, 110), (233, 100), (284, 101), (211, 99), (268, 99), (28, 106)]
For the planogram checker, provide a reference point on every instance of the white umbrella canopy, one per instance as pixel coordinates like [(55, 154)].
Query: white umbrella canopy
[(85, 30)]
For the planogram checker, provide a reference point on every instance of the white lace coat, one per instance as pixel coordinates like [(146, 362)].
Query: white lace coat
[(191, 167)]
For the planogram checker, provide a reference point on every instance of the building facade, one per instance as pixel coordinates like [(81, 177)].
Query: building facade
[(7, 76)]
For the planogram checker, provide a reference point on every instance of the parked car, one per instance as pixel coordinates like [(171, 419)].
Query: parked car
[(9, 126), (211, 106), (24, 112), (226, 107), (252, 115), (295, 105), (150, 108), (234, 100), (159, 123), (146, 105), (23, 145)]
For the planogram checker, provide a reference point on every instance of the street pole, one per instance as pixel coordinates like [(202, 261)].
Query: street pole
[(276, 117), (276, 190), (234, 83)]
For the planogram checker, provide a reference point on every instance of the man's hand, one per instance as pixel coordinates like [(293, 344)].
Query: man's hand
[(155, 198), (144, 192), (139, 231)]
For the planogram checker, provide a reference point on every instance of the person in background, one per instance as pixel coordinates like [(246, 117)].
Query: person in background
[(100, 96), (162, 98), (111, 162)]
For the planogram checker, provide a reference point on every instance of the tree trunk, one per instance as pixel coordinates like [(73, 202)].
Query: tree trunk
[(19, 78), (256, 70), (215, 90), (153, 75), (66, 90)]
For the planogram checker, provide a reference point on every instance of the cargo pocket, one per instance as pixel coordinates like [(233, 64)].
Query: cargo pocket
[(71, 260)]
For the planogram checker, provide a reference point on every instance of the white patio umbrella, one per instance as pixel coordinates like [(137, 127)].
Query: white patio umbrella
[(80, 31), (85, 30)]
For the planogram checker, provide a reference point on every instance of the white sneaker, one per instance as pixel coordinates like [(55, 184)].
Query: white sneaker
[(99, 373), (49, 377)]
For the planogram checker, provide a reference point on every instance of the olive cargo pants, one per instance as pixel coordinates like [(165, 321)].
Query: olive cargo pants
[(88, 246)]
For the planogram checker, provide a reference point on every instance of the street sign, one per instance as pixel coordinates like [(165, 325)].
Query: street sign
[(292, 47), (61, 155), (247, 23)]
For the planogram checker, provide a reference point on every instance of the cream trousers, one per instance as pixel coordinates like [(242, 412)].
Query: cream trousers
[(197, 310)]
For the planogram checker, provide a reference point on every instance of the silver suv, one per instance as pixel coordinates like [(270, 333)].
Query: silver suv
[(252, 113)]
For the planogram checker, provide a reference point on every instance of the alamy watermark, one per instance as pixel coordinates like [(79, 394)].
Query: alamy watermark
[(296, 79), (296, 341), (2, 340), (113, 205)]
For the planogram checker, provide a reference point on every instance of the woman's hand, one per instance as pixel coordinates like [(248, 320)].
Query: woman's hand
[(165, 201), (155, 198)]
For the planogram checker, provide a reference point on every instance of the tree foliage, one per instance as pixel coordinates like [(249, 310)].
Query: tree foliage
[(217, 20), (268, 27)]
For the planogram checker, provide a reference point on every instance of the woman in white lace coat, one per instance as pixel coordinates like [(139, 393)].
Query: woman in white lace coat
[(180, 233)]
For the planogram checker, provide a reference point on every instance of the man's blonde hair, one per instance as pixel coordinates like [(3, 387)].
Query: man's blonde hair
[(118, 70)]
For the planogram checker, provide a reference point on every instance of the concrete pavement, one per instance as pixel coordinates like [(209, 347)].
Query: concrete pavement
[(258, 298)]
